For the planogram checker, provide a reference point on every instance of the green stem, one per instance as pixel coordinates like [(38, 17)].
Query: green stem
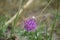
[(57, 2)]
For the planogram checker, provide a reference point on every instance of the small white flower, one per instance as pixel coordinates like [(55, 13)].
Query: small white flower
[(33, 17)]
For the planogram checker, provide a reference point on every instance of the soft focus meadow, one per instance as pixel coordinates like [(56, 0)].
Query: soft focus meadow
[(29, 19)]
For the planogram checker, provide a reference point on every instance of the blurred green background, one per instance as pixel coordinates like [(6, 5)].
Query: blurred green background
[(47, 22)]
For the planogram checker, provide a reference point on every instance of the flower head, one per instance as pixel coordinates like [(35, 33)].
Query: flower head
[(30, 24)]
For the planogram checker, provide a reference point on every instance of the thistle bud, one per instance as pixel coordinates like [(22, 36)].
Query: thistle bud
[(29, 24)]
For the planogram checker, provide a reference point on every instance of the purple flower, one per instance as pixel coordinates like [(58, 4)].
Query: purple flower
[(29, 24)]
